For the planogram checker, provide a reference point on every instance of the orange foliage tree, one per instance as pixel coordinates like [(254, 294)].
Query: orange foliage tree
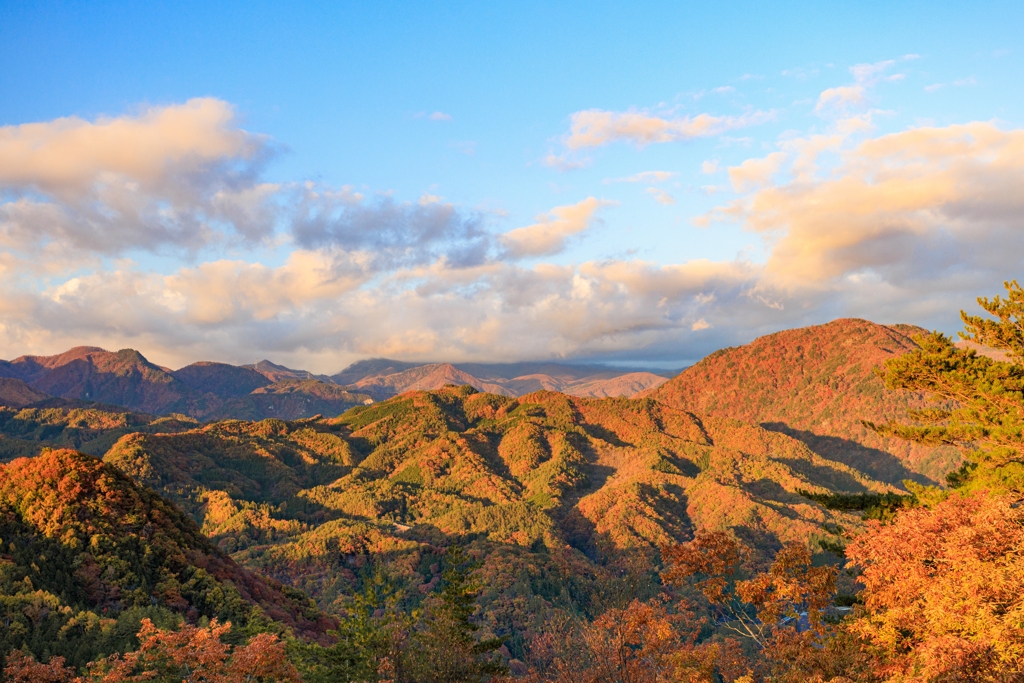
[(192, 654), (944, 591), (761, 608), (645, 642), (23, 668)]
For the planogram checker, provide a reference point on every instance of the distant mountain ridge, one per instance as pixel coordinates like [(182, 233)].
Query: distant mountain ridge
[(209, 390), (383, 378), (203, 390)]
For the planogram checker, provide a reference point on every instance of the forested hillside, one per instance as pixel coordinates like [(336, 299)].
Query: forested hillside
[(87, 554), (817, 384), (558, 495)]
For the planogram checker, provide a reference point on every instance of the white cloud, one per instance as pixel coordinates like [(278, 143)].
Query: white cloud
[(918, 206), (841, 98), (755, 172), (440, 116), (564, 162)]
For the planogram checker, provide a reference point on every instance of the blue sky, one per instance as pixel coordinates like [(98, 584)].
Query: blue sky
[(380, 159)]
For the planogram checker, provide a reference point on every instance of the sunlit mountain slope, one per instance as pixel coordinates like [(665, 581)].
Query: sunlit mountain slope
[(816, 384)]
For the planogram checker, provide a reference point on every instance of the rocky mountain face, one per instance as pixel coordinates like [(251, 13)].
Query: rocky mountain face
[(124, 378), (15, 393), (816, 384)]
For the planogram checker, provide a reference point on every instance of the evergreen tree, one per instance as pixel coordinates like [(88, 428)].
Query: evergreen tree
[(977, 402), (445, 648), (368, 639)]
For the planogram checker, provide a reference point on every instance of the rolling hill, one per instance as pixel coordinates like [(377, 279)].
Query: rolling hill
[(816, 384), (557, 494)]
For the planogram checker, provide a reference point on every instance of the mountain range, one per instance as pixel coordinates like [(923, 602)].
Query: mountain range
[(214, 391)]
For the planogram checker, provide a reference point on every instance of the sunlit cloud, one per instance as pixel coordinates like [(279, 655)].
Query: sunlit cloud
[(918, 205), (552, 230), (595, 127), (843, 98), (564, 162), (171, 177), (645, 177)]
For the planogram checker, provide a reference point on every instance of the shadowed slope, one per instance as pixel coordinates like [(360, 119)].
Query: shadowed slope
[(124, 378), (15, 393), (221, 379), (290, 399), (422, 378), (816, 384)]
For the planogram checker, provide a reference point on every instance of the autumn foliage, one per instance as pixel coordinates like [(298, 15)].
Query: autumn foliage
[(191, 654), (944, 591)]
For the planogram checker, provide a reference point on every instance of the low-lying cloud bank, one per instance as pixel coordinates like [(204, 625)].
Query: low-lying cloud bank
[(904, 226)]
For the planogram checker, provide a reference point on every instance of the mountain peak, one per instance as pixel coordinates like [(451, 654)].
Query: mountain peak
[(816, 383)]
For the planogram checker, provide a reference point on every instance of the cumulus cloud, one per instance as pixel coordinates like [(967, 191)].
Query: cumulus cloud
[(755, 172), (841, 97), (552, 230), (917, 206), (175, 176), (595, 127), (316, 308)]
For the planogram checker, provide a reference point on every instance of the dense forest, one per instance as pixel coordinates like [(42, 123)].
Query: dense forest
[(807, 508)]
